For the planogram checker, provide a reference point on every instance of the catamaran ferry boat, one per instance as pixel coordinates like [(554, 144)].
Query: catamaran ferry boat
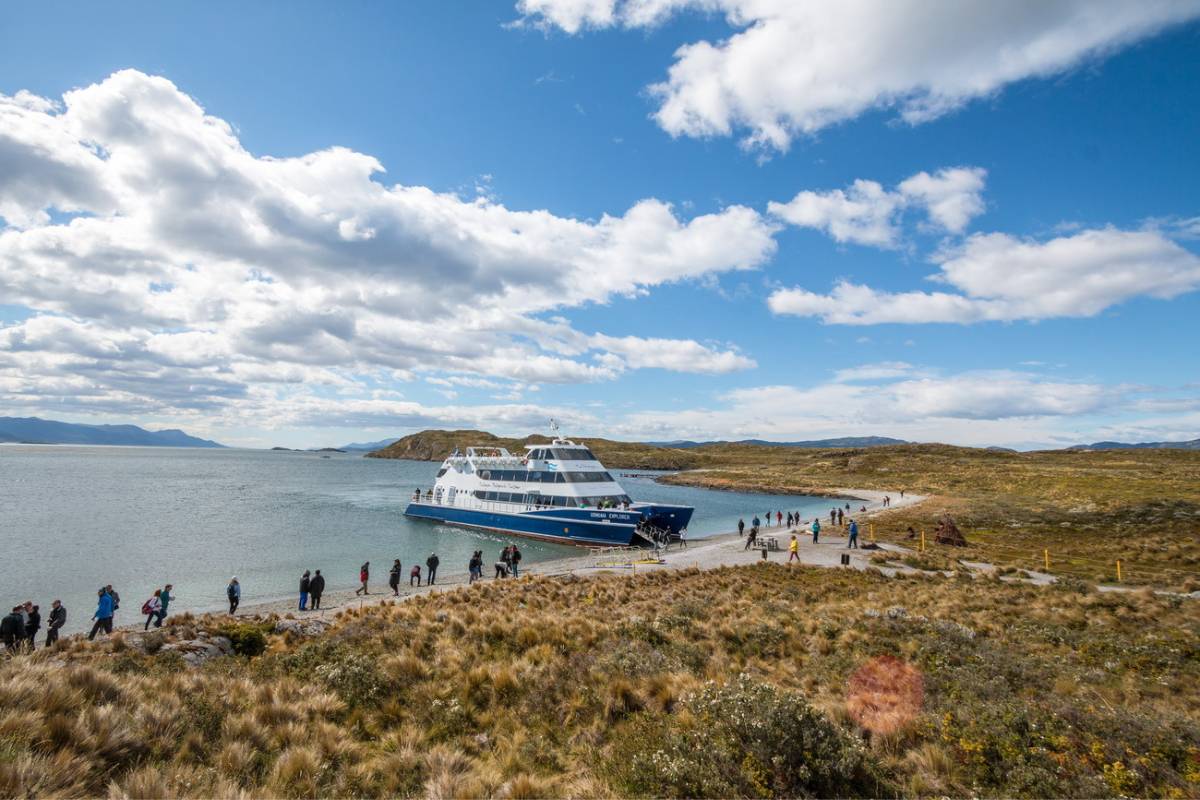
[(557, 491)]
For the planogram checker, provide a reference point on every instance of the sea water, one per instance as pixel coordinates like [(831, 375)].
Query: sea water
[(75, 518)]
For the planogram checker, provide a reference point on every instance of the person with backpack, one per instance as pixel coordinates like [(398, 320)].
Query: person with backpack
[(515, 558), (151, 608), (853, 536), (474, 567), (741, 528), (305, 583), (431, 565), (58, 618), (364, 573), (12, 629), (414, 574), (234, 592), (394, 578), (104, 612), (316, 588)]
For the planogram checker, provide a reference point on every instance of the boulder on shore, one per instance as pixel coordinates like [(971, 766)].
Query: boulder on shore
[(946, 532)]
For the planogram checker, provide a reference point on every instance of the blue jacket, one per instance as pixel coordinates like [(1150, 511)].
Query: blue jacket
[(854, 529), (104, 609)]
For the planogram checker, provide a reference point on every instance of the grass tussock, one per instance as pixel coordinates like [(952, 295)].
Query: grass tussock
[(758, 681)]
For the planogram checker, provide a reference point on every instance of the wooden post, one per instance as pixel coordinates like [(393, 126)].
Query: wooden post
[(1046, 556), (872, 532), (922, 540), (1118, 570)]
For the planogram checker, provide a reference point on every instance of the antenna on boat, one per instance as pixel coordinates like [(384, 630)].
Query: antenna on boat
[(553, 425)]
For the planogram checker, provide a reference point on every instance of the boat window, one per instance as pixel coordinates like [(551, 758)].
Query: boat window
[(588, 477), (441, 472)]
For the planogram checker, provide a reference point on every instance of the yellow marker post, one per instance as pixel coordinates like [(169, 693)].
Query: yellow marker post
[(1046, 556), (1118, 570), (922, 540)]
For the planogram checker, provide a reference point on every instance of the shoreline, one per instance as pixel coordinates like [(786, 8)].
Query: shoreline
[(709, 552)]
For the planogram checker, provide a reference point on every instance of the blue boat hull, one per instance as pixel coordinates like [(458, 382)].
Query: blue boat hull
[(584, 526)]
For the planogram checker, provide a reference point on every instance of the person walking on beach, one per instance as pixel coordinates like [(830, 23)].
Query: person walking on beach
[(754, 525), (789, 519), (364, 574), (779, 518), (164, 600), (833, 516), (12, 629), (473, 567), (234, 592), (33, 624), (901, 494), (414, 574), (793, 549), (741, 528), (683, 539), (58, 618), (816, 530), (752, 538), (316, 588), (151, 608), (116, 600), (394, 578), (104, 613), (305, 585), (515, 558), (853, 536), (841, 518), (431, 565)]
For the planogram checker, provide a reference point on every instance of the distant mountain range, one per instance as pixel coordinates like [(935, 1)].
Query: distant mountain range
[(845, 441), (355, 447), (32, 430), (1194, 444)]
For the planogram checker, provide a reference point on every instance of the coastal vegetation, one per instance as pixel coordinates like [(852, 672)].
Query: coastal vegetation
[(1081, 510), (756, 681)]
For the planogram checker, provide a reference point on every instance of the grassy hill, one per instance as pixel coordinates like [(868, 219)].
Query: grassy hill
[(1088, 509), (435, 445), (759, 681)]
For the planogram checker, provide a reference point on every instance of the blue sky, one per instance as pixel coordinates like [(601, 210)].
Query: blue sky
[(1065, 308)]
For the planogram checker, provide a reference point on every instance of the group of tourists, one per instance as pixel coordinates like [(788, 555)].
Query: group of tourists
[(312, 586), (18, 630), (509, 563), (837, 518)]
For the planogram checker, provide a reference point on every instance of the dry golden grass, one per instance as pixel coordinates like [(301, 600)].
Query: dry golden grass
[(555, 687), (1088, 509)]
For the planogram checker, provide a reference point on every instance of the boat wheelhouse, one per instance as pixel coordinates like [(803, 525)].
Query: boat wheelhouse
[(558, 491)]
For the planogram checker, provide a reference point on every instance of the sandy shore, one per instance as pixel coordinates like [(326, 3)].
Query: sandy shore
[(710, 552)]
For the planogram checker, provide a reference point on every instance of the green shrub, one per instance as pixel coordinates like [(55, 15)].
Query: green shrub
[(744, 739), (248, 638)]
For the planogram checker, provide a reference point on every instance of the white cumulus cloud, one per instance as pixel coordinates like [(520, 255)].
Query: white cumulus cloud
[(795, 67), (1000, 277), (198, 260), (867, 214)]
